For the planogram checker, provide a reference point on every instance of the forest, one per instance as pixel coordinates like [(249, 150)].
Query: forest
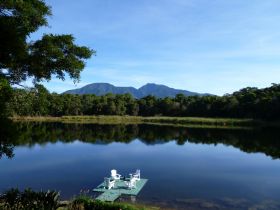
[(248, 102)]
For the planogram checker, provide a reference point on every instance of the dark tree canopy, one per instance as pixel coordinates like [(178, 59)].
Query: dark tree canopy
[(5, 95), (51, 55), (246, 103)]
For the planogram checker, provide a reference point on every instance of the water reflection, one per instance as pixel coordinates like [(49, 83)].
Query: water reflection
[(8, 136), (264, 140), (188, 168)]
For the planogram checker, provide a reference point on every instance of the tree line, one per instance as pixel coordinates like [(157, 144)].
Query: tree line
[(245, 103)]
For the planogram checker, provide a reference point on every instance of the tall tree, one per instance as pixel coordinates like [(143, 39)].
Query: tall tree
[(41, 100), (21, 59), (5, 94), (52, 54)]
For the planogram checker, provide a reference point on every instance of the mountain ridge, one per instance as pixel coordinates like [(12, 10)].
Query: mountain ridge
[(157, 90)]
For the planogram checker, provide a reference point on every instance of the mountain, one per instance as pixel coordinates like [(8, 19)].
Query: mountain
[(162, 91), (102, 89), (159, 91)]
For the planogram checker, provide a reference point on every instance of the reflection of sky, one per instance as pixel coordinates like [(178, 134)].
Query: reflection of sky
[(191, 170)]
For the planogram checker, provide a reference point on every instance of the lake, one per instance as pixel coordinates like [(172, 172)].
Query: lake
[(187, 168)]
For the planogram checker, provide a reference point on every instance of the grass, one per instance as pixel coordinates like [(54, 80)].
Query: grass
[(85, 202), (201, 121), (29, 199), (176, 121)]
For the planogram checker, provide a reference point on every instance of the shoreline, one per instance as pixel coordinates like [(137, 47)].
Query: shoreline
[(158, 120)]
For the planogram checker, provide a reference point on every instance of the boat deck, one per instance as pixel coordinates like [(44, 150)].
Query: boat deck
[(119, 189)]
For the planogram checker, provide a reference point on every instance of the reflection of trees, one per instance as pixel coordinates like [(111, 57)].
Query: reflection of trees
[(265, 140), (6, 149), (8, 135), (259, 140)]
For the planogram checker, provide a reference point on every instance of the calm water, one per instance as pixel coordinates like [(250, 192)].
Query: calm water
[(187, 168)]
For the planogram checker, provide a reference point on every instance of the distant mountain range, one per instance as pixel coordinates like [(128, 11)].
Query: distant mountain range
[(159, 91)]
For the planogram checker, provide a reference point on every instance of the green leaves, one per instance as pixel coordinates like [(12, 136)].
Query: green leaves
[(5, 94), (53, 54), (57, 54), (18, 19), (26, 15)]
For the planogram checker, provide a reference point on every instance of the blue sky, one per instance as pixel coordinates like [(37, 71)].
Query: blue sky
[(215, 46)]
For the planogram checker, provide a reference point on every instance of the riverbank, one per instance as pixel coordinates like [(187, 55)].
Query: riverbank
[(84, 202), (179, 121), (29, 199)]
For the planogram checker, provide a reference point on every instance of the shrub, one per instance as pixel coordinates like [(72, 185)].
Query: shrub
[(29, 199)]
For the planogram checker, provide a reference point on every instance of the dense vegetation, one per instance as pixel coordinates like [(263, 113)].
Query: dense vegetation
[(246, 103), (28, 199), (13, 199), (20, 58)]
